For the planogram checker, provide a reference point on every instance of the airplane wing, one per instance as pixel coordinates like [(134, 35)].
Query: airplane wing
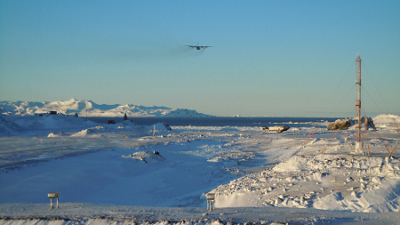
[(198, 46)]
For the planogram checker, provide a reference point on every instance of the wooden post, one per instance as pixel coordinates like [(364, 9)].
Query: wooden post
[(323, 150), (51, 203), (392, 151), (309, 136), (369, 154), (338, 129)]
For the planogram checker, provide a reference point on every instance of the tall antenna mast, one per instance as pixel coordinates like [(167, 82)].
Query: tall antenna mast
[(359, 144)]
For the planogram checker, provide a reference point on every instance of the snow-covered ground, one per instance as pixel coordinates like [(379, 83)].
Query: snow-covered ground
[(123, 173)]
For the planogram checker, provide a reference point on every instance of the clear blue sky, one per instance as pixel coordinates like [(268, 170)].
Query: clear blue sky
[(270, 58)]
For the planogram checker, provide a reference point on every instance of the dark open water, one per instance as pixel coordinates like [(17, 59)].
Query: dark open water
[(221, 121)]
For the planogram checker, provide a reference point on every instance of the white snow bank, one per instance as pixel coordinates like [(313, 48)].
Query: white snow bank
[(293, 164), (384, 197), (146, 156), (54, 134), (329, 182), (387, 120), (90, 131)]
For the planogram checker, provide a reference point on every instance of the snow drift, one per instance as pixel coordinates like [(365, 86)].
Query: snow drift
[(329, 182), (387, 120)]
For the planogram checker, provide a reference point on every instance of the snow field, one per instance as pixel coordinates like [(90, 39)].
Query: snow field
[(125, 164)]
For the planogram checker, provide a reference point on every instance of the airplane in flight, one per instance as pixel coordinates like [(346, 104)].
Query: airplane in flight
[(198, 47)]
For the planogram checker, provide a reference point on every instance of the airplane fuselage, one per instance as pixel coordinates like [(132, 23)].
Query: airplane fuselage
[(198, 47)]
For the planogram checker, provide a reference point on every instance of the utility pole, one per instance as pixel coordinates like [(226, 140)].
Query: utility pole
[(359, 143)]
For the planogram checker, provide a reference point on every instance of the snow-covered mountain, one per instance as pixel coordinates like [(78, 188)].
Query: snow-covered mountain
[(91, 109)]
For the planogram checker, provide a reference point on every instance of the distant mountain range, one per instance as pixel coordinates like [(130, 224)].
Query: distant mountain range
[(91, 109)]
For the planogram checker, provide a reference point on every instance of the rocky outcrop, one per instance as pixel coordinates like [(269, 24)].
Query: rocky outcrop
[(342, 124)]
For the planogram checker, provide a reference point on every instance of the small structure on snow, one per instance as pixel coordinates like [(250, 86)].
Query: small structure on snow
[(210, 201), (52, 195), (277, 129)]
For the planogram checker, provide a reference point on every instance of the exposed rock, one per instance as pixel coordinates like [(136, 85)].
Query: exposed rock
[(342, 124)]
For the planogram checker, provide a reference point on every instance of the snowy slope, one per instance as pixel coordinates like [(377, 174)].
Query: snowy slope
[(91, 109)]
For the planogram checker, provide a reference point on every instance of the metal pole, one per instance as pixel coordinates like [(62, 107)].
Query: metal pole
[(358, 103)]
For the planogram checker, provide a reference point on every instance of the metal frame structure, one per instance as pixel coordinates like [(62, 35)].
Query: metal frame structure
[(359, 144)]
